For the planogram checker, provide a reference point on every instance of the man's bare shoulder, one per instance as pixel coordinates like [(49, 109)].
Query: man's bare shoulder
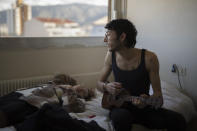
[(109, 53), (150, 55), (151, 59), (108, 58)]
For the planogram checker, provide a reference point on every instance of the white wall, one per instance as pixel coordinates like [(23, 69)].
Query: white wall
[(22, 63), (169, 28)]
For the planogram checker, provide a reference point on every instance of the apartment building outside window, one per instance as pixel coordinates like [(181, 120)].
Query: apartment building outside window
[(47, 18)]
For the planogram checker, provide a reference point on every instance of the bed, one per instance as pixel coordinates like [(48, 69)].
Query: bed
[(174, 100)]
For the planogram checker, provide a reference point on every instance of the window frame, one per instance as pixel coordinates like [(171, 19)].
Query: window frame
[(118, 6)]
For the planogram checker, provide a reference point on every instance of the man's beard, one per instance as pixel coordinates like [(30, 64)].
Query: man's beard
[(116, 48)]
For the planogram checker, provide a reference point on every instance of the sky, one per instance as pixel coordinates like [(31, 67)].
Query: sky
[(6, 4)]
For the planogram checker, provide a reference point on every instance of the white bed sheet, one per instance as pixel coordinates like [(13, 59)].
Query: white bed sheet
[(177, 101), (174, 100)]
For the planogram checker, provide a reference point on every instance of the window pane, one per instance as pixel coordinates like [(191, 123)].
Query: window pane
[(53, 18)]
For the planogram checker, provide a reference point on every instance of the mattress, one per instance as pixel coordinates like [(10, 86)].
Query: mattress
[(174, 100)]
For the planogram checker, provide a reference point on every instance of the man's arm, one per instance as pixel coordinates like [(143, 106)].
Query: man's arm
[(105, 72), (152, 65)]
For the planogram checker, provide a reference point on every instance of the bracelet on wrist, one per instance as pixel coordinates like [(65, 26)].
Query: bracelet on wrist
[(104, 86)]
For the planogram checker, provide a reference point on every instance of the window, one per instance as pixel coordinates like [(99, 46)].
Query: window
[(53, 18)]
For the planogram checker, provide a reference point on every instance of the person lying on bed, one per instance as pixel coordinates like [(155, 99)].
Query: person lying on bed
[(62, 87), (66, 96), (14, 107), (134, 70)]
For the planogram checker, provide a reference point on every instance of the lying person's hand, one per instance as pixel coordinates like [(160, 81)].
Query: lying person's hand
[(81, 91)]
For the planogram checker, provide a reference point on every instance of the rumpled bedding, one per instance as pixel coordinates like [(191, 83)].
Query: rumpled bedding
[(174, 99)]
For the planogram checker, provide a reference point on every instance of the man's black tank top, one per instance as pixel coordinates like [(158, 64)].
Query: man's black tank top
[(136, 81)]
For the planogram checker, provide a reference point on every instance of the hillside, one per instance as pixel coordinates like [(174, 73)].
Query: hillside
[(81, 13)]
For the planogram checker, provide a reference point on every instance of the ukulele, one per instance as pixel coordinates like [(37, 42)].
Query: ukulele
[(122, 95)]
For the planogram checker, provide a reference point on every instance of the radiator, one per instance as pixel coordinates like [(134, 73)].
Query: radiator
[(7, 86)]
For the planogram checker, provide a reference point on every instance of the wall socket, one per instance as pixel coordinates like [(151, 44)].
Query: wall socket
[(182, 70)]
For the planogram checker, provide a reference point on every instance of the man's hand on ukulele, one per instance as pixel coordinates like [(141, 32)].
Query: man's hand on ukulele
[(112, 87), (157, 101), (139, 103)]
